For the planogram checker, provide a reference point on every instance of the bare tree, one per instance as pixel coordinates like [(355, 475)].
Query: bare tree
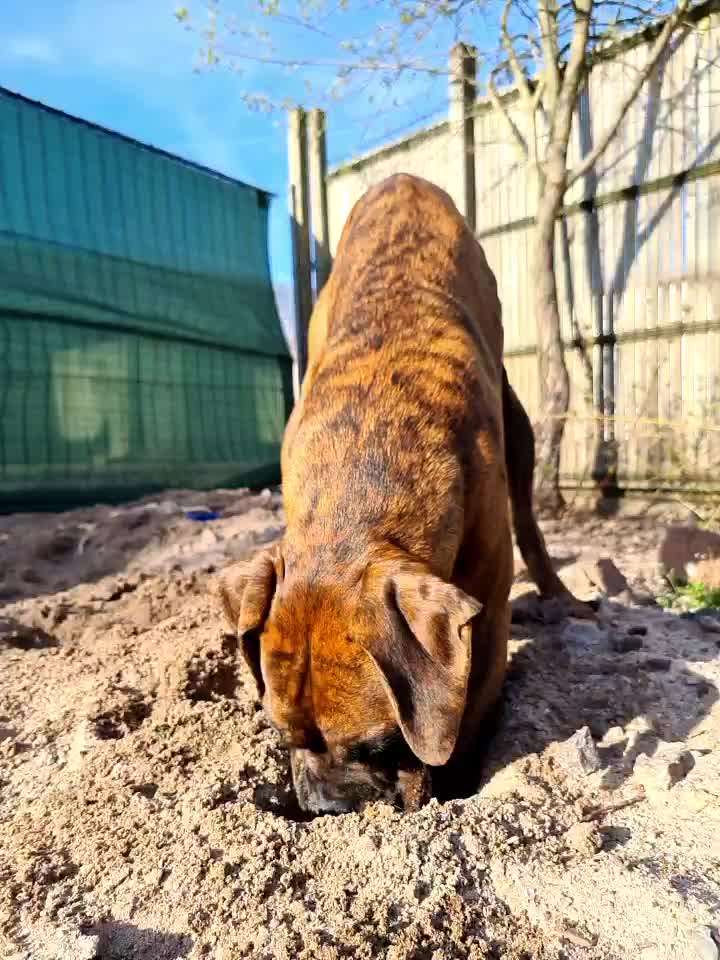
[(562, 57), (540, 51)]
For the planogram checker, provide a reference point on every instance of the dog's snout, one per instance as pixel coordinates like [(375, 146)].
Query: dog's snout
[(322, 785), (315, 791)]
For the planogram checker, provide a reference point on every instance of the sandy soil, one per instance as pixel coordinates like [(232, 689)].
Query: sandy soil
[(145, 809)]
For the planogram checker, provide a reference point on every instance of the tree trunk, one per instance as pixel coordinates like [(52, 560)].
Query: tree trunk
[(554, 380)]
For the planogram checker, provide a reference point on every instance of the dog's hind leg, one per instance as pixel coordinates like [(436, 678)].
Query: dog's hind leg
[(520, 462)]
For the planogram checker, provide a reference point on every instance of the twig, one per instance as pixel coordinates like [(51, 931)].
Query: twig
[(596, 813), (569, 933)]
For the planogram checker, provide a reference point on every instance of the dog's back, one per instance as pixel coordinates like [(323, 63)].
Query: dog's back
[(398, 436), (377, 629)]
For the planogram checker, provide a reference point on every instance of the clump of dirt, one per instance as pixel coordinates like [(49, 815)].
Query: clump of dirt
[(146, 807)]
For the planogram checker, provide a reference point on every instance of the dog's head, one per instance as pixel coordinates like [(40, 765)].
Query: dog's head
[(364, 679)]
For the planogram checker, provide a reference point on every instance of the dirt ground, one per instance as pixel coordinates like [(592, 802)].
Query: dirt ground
[(145, 808)]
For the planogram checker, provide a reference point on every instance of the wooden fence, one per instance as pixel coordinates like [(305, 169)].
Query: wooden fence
[(638, 254)]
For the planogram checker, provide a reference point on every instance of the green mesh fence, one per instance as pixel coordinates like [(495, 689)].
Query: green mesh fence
[(140, 345)]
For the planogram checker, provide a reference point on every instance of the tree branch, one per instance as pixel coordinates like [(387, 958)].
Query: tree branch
[(518, 72), (501, 107), (561, 120), (547, 17), (658, 49)]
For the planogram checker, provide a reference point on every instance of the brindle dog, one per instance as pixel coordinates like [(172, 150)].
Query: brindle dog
[(377, 630)]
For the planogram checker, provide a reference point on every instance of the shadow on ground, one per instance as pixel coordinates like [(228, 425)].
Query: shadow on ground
[(570, 675), (123, 941)]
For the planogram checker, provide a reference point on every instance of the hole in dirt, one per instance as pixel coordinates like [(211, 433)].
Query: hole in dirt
[(120, 940), (58, 545), (118, 722), (24, 637), (209, 678), (614, 837), (282, 802), (147, 790)]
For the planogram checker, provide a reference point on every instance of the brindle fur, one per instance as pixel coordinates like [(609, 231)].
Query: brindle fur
[(385, 608)]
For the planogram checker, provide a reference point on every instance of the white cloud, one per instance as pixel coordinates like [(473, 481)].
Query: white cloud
[(129, 35)]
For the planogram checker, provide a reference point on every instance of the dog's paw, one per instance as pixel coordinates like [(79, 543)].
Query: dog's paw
[(533, 608)]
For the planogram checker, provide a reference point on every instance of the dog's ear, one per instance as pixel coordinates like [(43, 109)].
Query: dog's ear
[(246, 592), (423, 654)]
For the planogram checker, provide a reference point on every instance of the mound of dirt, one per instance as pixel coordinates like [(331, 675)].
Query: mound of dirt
[(146, 808)]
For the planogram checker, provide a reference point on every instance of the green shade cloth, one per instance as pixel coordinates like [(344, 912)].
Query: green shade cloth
[(140, 345)]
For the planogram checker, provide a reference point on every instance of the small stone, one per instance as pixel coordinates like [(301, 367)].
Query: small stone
[(708, 624), (584, 838), (641, 724), (605, 576), (666, 767), (578, 754), (614, 735), (626, 644)]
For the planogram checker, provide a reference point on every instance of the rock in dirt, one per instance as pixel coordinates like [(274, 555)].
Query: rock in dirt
[(578, 754), (658, 773), (584, 838), (613, 736), (683, 545), (708, 623)]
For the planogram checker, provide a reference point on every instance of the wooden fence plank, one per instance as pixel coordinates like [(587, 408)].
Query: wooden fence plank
[(640, 270)]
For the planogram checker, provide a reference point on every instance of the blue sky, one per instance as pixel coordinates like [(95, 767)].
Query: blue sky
[(128, 65)]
